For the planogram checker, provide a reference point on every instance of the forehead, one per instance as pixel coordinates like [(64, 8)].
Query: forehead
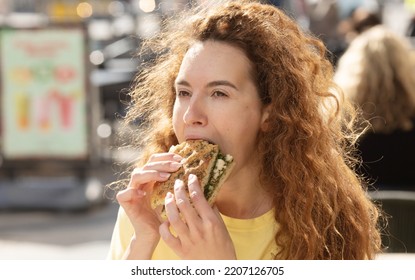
[(213, 58)]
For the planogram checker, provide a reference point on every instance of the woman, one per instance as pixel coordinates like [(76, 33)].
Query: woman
[(244, 76), (377, 74)]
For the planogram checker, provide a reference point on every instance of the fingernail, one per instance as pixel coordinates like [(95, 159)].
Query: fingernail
[(177, 158), (164, 175), (169, 196), (192, 178), (175, 165), (177, 184)]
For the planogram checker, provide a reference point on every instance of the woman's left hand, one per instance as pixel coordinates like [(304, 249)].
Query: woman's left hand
[(199, 229)]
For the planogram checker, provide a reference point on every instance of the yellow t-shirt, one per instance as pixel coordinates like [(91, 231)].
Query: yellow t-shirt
[(253, 238)]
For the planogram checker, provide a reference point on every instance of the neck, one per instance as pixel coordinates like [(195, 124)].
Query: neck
[(243, 197)]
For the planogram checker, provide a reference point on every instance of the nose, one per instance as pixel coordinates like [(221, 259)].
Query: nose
[(196, 112)]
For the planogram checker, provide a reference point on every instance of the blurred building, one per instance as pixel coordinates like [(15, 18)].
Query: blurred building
[(114, 31), (61, 162)]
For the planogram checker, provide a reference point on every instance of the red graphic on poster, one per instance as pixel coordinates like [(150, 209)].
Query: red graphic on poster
[(65, 104), (64, 74)]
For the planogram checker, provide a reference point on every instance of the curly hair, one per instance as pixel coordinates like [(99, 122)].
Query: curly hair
[(376, 72), (306, 155)]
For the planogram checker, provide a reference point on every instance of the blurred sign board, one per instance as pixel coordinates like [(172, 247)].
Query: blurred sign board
[(43, 94)]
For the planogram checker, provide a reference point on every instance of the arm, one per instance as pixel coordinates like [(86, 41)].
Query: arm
[(125, 245), (141, 248)]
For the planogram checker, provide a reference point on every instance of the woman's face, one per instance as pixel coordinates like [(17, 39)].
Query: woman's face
[(217, 100)]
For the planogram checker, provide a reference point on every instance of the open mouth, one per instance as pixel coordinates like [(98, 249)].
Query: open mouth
[(201, 138)]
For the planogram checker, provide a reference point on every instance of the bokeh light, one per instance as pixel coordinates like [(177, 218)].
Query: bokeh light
[(147, 6), (84, 10)]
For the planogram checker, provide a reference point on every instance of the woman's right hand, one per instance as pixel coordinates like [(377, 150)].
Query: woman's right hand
[(135, 199)]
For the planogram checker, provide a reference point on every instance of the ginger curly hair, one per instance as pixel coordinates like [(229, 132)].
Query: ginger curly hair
[(321, 206)]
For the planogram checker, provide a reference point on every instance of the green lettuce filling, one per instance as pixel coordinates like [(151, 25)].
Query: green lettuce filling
[(217, 173)]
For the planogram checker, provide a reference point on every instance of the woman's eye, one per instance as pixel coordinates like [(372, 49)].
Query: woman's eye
[(183, 93), (218, 93)]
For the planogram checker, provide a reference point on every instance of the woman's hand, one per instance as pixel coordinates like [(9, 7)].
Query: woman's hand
[(200, 232), (135, 199)]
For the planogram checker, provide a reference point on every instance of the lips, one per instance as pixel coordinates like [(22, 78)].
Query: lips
[(196, 137)]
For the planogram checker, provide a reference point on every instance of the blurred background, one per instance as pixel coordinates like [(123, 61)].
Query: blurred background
[(64, 69)]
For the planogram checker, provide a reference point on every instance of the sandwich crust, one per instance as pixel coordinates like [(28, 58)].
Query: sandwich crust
[(202, 159)]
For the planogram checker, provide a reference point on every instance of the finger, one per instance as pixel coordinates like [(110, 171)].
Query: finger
[(171, 241), (130, 195), (140, 176), (165, 157), (174, 217), (163, 166), (183, 203), (198, 199)]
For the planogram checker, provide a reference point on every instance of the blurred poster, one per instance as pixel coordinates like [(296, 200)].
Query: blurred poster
[(43, 94)]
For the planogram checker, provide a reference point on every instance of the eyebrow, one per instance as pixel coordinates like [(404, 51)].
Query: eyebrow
[(210, 84)]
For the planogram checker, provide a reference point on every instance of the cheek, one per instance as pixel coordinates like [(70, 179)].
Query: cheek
[(251, 116), (177, 118), (241, 125)]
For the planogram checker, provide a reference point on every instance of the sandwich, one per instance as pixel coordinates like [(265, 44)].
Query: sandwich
[(202, 159)]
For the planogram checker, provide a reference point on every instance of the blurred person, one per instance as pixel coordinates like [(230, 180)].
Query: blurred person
[(410, 29), (359, 20), (377, 74), (243, 75), (323, 16), (318, 17)]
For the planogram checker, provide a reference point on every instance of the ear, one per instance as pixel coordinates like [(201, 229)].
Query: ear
[(265, 117)]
